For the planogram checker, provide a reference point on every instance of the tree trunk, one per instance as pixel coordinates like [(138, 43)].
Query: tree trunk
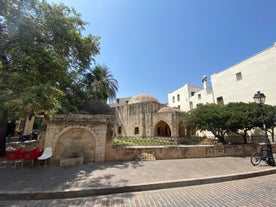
[(3, 132), (4, 113), (244, 136)]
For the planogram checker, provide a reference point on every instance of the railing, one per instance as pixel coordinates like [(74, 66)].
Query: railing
[(149, 141), (164, 141)]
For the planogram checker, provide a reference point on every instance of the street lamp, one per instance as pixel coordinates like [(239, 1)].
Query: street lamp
[(259, 98)]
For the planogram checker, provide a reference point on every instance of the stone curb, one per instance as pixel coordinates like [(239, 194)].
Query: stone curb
[(127, 189)]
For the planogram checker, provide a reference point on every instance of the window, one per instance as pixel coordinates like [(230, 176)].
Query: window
[(136, 130), (119, 130), (199, 96), (238, 76), (220, 100), (173, 99), (192, 93), (191, 105), (178, 97)]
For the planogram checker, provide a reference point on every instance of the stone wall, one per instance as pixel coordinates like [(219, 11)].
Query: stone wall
[(140, 115), (92, 137), (180, 152)]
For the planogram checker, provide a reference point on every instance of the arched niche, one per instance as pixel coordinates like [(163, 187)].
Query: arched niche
[(162, 129), (75, 140)]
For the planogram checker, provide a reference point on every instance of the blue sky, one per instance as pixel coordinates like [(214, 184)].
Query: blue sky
[(156, 46)]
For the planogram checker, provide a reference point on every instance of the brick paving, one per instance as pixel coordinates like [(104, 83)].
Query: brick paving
[(137, 175), (253, 192)]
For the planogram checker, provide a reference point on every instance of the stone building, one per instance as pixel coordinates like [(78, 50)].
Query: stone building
[(91, 135), (144, 116), (80, 135)]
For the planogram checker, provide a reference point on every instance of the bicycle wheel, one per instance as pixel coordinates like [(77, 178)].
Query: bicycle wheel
[(256, 158)]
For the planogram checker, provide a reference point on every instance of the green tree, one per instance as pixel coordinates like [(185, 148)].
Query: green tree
[(100, 83), (243, 118), (269, 114), (210, 117), (42, 55), (273, 125)]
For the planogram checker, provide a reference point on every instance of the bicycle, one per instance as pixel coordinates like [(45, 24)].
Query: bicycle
[(257, 157)]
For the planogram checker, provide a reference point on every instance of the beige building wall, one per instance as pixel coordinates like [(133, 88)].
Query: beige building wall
[(140, 116), (121, 127), (29, 123)]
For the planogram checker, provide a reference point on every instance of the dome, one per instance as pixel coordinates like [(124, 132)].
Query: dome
[(167, 109), (142, 98), (97, 107)]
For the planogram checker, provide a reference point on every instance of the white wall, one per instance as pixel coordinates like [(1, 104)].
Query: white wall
[(184, 97), (258, 74), (202, 97)]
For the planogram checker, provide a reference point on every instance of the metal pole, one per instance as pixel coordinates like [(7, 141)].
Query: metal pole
[(270, 160)]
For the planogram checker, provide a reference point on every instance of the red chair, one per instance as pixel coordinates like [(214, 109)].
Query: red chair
[(37, 152), (32, 155), (20, 153), (16, 156), (10, 156)]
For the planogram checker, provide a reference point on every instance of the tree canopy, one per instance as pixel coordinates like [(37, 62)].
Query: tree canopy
[(243, 118), (210, 117), (42, 53), (44, 60), (101, 84), (233, 117)]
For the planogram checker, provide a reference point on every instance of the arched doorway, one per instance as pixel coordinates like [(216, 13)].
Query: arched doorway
[(162, 129)]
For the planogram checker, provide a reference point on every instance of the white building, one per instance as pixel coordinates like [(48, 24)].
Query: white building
[(188, 96), (241, 81), (238, 83)]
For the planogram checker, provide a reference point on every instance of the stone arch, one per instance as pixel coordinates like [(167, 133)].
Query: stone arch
[(162, 129), (75, 140)]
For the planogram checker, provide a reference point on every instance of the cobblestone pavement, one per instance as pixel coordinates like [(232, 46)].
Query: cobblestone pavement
[(251, 192), (118, 174), (94, 179)]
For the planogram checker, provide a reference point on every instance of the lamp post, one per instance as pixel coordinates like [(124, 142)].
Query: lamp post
[(259, 98)]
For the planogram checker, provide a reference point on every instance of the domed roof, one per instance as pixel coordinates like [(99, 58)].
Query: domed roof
[(142, 98), (97, 107), (167, 109)]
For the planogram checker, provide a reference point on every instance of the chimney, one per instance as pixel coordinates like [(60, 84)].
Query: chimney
[(204, 81)]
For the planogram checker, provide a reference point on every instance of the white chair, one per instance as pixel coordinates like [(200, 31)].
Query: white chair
[(46, 155)]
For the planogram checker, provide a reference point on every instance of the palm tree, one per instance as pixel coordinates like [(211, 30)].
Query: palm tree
[(101, 84)]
